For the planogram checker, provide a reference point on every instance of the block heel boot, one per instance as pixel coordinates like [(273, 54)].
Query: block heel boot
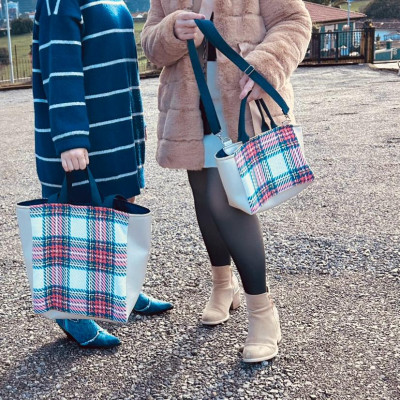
[(225, 295), (264, 332)]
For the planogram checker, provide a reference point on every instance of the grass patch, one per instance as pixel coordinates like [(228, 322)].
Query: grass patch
[(138, 30), (357, 6), (21, 48), (21, 42)]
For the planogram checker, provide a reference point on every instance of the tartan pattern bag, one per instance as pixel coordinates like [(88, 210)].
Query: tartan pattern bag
[(271, 163), (79, 259), (84, 261), (268, 169)]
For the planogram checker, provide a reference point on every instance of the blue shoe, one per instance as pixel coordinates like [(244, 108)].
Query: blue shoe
[(147, 306), (87, 333)]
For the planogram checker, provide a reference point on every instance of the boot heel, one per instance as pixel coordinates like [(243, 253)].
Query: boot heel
[(236, 300)]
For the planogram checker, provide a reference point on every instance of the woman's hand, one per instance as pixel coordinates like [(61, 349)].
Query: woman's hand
[(74, 159), (247, 85), (185, 28)]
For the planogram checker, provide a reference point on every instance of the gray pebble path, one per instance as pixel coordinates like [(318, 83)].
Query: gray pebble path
[(333, 258)]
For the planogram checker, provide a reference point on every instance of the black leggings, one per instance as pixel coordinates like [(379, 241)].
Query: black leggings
[(228, 232)]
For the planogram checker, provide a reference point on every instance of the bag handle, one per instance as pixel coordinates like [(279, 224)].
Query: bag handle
[(64, 196), (264, 125), (261, 104), (242, 134)]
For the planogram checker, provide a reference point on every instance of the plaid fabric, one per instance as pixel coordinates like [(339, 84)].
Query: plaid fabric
[(271, 163), (79, 260)]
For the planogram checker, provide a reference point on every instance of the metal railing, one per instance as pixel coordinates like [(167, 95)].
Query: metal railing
[(23, 66), (353, 46)]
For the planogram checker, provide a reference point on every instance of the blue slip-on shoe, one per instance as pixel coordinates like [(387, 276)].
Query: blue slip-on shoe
[(146, 305), (87, 333)]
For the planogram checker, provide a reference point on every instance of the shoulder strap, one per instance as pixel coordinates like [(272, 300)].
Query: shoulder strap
[(212, 34), (205, 95)]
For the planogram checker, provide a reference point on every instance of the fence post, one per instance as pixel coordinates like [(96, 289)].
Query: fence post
[(337, 46), (16, 60), (9, 45), (315, 45), (369, 45)]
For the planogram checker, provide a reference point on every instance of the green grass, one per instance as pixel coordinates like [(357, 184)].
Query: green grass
[(22, 42), (21, 48), (138, 29), (357, 6)]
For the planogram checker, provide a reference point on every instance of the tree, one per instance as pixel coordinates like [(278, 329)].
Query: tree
[(383, 9), (20, 26), (4, 58)]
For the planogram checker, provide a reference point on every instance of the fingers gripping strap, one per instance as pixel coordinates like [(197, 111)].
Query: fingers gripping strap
[(211, 33)]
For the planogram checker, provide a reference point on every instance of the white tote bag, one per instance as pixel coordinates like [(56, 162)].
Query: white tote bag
[(84, 262), (262, 172)]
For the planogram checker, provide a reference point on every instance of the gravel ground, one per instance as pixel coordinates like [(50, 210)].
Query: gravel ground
[(333, 266)]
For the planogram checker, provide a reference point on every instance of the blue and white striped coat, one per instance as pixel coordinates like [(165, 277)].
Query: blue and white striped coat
[(86, 94)]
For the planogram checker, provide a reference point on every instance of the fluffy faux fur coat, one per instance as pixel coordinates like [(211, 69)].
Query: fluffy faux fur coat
[(272, 35)]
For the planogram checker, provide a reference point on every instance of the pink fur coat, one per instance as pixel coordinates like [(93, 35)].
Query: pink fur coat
[(272, 35)]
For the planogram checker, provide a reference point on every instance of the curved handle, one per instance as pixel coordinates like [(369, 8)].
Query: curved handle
[(261, 104), (64, 196), (242, 135), (264, 126)]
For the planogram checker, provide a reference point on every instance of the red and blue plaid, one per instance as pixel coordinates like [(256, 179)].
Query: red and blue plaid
[(79, 259), (271, 163)]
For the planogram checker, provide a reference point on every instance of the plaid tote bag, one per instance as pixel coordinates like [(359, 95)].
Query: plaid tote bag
[(84, 261), (268, 169)]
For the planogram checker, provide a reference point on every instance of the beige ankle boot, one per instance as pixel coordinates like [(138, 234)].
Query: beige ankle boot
[(264, 329), (224, 295)]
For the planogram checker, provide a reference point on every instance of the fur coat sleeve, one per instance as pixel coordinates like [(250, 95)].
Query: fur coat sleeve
[(159, 42), (288, 26)]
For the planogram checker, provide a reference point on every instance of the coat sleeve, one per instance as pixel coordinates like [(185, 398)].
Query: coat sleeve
[(60, 57), (159, 42), (288, 26)]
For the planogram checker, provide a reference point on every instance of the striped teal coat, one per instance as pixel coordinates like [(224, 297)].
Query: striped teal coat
[(86, 94)]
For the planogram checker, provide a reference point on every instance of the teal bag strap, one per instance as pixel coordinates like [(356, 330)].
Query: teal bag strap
[(211, 33), (205, 95), (261, 105)]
